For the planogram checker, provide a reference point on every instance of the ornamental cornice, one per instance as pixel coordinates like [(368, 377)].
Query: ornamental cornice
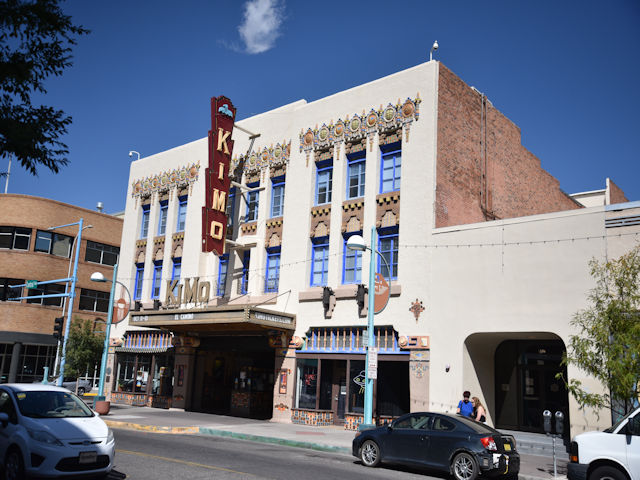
[(268, 157), (364, 125), (164, 181)]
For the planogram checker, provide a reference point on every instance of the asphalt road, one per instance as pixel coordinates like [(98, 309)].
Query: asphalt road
[(154, 456)]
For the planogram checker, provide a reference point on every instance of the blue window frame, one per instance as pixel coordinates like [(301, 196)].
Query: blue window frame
[(144, 227), (252, 203), (246, 259), (319, 261), (231, 206), (324, 181), (355, 175), (390, 168), (223, 266), (272, 279), (162, 217), (177, 270), (182, 213), (352, 263), (277, 196), (157, 279), (137, 293), (388, 247)]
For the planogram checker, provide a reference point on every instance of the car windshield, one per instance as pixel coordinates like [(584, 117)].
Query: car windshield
[(612, 428), (51, 404), (476, 426)]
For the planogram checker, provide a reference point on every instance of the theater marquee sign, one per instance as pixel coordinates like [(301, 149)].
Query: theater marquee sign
[(217, 181)]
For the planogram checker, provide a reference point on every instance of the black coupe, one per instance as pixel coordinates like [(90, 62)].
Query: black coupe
[(440, 441)]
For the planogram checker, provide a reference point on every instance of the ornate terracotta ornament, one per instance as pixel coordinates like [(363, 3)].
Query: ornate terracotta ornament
[(417, 308), (163, 181)]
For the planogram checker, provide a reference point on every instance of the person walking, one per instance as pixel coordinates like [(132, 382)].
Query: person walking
[(479, 413), (465, 407)]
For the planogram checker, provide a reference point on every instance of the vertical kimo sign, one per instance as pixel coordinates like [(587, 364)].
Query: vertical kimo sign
[(217, 181)]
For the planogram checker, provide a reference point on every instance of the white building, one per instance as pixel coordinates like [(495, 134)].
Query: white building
[(489, 261)]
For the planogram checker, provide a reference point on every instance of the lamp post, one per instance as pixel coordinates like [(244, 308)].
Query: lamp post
[(99, 277), (356, 242)]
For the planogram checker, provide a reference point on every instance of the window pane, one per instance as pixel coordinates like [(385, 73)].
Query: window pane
[(162, 221), (61, 245), (52, 289), (43, 242), (307, 382), (139, 277), (6, 237), (356, 387), (144, 230)]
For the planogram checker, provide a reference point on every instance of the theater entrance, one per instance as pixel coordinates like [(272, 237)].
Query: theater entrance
[(234, 376)]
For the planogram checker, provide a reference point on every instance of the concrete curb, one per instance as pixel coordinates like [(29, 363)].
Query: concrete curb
[(151, 428), (274, 440)]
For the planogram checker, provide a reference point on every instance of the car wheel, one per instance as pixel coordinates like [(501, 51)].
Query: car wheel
[(13, 465), (370, 453), (464, 467), (607, 473), (80, 391)]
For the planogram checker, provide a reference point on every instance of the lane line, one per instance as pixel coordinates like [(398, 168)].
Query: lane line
[(183, 462)]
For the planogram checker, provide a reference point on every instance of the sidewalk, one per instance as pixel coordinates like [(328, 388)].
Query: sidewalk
[(328, 439)]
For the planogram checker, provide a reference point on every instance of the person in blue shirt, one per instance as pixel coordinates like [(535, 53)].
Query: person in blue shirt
[(465, 407)]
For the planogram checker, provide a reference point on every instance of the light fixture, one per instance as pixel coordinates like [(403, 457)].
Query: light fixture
[(356, 242), (131, 152), (433, 49), (98, 277)]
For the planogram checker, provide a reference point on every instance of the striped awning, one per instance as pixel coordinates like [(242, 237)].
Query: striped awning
[(142, 349), (145, 342)]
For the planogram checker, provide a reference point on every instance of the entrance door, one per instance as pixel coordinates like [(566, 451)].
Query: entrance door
[(339, 391), (526, 386)]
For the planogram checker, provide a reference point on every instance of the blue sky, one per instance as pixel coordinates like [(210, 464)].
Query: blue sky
[(565, 72)]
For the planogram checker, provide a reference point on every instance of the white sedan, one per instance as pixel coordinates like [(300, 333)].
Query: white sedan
[(47, 431)]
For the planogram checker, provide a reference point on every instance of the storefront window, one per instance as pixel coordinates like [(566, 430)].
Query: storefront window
[(307, 380), (133, 373), (162, 379), (356, 387)]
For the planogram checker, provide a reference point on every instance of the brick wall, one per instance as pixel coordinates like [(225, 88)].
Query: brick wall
[(616, 193), (39, 214), (514, 183)]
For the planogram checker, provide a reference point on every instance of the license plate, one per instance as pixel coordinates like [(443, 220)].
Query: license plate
[(507, 447), (88, 457)]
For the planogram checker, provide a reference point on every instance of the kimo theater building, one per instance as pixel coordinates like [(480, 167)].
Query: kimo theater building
[(235, 250)]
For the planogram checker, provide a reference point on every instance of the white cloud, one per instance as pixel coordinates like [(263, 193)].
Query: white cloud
[(260, 27)]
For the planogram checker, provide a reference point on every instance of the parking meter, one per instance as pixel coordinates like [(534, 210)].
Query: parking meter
[(559, 422), (546, 415)]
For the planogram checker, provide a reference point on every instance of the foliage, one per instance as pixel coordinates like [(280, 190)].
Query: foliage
[(35, 43), (84, 348), (608, 345)]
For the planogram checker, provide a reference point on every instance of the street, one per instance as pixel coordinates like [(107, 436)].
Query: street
[(152, 456)]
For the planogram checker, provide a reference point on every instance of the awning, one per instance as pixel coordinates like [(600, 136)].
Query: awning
[(142, 349), (228, 319)]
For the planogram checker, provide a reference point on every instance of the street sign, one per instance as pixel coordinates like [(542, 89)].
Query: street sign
[(120, 310), (381, 296), (31, 284), (372, 370)]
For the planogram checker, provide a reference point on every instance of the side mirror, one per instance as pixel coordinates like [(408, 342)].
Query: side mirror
[(4, 420)]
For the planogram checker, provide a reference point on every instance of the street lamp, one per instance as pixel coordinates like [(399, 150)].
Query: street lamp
[(356, 242), (99, 277)]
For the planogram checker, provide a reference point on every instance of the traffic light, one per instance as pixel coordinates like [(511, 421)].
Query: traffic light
[(57, 327)]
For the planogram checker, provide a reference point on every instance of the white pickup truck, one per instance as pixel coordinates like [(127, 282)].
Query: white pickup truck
[(613, 454)]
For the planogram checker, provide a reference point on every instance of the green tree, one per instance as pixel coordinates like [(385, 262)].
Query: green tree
[(84, 348), (608, 344), (35, 43)]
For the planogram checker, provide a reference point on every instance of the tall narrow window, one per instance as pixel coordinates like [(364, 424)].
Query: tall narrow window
[(223, 265), (144, 225), (157, 279), (162, 217), (277, 196), (175, 274), (137, 295), (388, 247), (252, 203), (320, 261), (231, 207), (352, 263), (390, 167), (182, 213), (355, 175), (246, 258), (272, 278), (324, 181)]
